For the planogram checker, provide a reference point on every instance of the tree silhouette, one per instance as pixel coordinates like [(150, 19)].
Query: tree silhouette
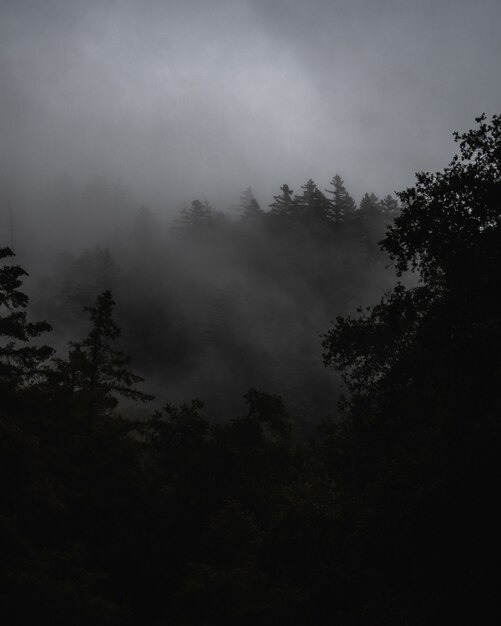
[(282, 209), (390, 208), (252, 212), (420, 438), (20, 360), (196, 220), (342, 204), (95, 370), (312, 207)]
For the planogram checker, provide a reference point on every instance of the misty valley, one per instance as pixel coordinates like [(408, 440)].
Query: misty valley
[(269, 414), (212, 303)]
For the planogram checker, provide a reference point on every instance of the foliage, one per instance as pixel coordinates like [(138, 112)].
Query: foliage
[(450, 213), (96, 372), (20, 360), (342, 203), (252, 212), (388, 517), (416, 452)]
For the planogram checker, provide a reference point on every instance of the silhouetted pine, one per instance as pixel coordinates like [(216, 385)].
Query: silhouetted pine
[(20, 358), (312, 207), (95, 371), (342, 204)]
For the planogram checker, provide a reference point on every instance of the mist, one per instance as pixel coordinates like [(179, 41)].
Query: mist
[(249, 322), (210, 302), (109, 107), (175, 100)]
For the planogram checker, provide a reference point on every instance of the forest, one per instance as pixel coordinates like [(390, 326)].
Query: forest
[(210, 302), (269, 415)]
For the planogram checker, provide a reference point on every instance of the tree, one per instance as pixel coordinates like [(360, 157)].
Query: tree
[(197, 220), (390, 208), (448, 233), (312, 207), (282, 207), (86, 276), (369, 205), (342, 204), (417, 454), (252, 212), (20, 360), (95, 371), (450, 213), (371, 220)]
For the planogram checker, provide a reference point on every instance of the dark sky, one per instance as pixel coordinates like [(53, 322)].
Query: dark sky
[(186, 98)]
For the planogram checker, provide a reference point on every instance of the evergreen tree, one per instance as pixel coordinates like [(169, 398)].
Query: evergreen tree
[(20, 360), (342, 204), (390, 208), (96, 372), (196, 220), (283, 205), (312, 207), (370, 216), (369, 205), (252, 212)]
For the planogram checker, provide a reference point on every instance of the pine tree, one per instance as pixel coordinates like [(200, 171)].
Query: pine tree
[(252, 212), (312, 206), (197, 219), (20, 361), (390, 208), (283, 204), (342, 204), (369, 204), (371, 221), (95, 371)]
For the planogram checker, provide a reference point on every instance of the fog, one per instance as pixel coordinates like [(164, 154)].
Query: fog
[(106, 107), (249, 364), (185, 99)]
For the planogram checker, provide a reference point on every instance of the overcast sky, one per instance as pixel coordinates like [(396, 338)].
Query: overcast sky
[(187, 98)]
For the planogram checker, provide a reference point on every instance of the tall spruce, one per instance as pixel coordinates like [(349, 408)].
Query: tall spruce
[(341, 204)]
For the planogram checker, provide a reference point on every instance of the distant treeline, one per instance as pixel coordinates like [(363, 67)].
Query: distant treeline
[(214, 302)]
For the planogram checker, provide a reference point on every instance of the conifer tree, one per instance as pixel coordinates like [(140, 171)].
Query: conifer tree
[(369, 204), (197, 218), (312, 205), (342, 204), (283, 204), (252, 212), (96, 371), (389, 208), (20, 361)]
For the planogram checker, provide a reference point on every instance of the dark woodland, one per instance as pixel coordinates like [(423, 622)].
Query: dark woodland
[(282, 414)]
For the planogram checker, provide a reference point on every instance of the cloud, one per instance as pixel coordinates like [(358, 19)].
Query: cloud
[(194, 98)]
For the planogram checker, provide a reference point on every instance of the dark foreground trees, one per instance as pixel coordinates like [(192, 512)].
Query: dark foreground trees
[(419, 452)]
